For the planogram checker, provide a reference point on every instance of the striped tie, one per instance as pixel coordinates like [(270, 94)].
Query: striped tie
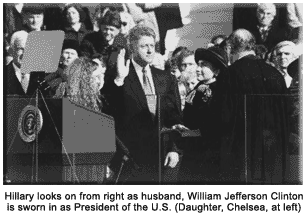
[(151, 98), (24, 83)]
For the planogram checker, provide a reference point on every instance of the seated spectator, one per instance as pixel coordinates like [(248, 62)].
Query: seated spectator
[(70, 52), (74, 17), (282, 55), (18, 83), (267, 32), (85, 78), (33, 17), (102, 42), (173, 64), (216, 40), (127, 23), (185, 61), (190, 79)]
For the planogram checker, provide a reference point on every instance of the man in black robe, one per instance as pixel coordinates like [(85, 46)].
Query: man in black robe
[(255, 140)]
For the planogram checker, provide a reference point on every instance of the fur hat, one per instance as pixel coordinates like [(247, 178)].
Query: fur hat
[(72, 44), (215, 55), (111, 18)]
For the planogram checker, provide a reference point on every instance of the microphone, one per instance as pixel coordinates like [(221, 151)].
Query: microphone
[(127, 155)]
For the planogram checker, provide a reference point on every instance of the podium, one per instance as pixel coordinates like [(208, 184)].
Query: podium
[(73, 144)]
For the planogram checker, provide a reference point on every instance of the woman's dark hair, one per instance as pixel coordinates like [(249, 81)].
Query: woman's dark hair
[(80, 10)]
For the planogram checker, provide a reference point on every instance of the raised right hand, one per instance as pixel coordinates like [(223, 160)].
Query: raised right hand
[(122, 68)]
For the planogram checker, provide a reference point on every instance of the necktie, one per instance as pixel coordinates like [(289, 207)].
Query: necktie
[(151, 99), (24, 83), (264, 33)]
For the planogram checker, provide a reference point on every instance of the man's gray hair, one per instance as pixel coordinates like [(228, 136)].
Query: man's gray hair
[(19, 39), (267, 6), (241, 40)]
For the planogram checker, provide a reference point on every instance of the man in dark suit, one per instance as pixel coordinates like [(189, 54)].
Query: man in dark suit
[(256, 137), (267, 31), (18, 83), (144, 101)]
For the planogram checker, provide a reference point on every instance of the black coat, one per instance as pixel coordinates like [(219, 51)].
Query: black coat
[(70, 33), (13, 86), (275, 36), (257, 122)]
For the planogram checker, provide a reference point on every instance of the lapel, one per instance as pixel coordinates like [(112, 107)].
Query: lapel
[(136, 87), (13, 82), (156, 81)]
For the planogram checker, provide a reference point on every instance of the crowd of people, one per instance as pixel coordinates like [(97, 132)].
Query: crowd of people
[(233, 90)]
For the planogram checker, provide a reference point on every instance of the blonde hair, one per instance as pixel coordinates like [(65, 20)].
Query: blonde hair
[(79, 86)]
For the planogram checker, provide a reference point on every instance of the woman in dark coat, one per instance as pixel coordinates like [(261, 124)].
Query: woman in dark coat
[(203, 108), (74, 17)]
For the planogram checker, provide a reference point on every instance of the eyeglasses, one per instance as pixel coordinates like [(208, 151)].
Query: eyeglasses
[(124, 23)]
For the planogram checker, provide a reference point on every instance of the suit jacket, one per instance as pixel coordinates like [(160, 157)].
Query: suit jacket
[(275, 35), (13, 84), (134, 123)]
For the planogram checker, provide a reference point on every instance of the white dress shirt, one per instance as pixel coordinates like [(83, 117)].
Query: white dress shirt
[(26, 78), (139, 71)]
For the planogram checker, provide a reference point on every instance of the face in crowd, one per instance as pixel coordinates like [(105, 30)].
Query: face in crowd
[(73, 16), (205, 70), (144, 50), (69, 55), (34, 21), (109, 32), (125, 26), (18, 51), (188, 64), (283, 57), (191, 83), (266, 14)]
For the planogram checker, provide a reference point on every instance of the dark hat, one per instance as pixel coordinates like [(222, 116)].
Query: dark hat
[(71, 44), (215, 55), (111, 18), (33, 8)]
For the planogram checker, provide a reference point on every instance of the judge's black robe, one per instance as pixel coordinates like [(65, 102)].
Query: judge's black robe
[(255, 142)]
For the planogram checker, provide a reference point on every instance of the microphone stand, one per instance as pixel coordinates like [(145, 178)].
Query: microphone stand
[(127, 157)]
